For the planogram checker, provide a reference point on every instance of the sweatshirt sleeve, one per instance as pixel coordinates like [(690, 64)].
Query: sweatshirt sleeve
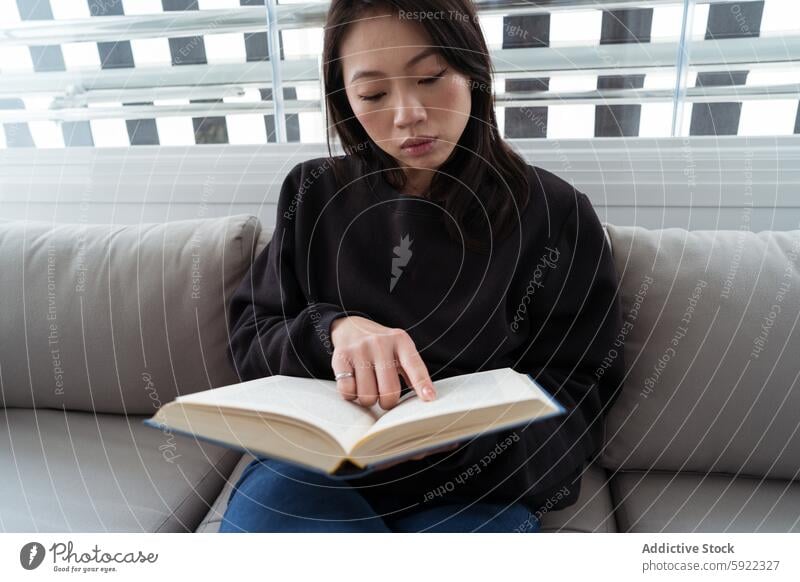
[(274, 327), (572, 355)]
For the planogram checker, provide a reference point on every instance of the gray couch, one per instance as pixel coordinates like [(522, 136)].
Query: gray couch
[(101, 324)]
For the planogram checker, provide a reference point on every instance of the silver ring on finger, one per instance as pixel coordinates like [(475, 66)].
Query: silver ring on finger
[(341, 375)]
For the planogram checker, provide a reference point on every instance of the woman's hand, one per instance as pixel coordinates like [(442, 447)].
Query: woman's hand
[(376, 355)]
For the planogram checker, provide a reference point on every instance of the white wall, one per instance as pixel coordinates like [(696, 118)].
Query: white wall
[(697, 183)]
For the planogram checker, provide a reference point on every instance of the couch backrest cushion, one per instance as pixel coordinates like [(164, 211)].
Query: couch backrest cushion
[(712, 348), (117, 318)]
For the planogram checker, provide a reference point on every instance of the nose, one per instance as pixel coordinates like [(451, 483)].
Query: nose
[(409, 111)]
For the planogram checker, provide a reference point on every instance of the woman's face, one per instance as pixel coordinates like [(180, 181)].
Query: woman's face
[(400, 88)]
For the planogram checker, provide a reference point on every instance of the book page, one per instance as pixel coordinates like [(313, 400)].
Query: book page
[(315, 402), (463, 393)]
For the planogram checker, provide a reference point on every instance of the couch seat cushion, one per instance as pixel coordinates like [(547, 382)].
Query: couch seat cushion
[(592, 512), (712, 503), (80, 472)]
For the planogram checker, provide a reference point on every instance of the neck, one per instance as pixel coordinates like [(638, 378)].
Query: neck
[(418, 182)]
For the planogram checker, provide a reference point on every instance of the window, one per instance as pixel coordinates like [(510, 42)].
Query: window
[(119, 73)]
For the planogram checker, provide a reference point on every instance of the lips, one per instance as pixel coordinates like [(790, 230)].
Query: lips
[(417, 141)]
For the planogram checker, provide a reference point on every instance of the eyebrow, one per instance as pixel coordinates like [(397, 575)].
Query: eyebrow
[(427, 52)]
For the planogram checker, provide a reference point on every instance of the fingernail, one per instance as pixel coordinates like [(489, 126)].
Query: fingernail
[(429, 393)]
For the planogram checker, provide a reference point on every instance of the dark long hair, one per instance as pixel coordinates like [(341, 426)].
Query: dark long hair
[(488, 167)]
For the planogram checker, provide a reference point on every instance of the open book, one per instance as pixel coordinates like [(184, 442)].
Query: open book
[(306, 421)]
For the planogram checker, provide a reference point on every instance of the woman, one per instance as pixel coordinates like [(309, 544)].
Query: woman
[(403, 264)]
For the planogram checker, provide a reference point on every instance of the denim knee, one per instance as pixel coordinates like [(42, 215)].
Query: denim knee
[(245, 474), (273, 495)]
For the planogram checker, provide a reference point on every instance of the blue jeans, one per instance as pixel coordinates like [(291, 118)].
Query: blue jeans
[(274, 496)]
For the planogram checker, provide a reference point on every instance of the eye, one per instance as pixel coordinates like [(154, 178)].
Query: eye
[(428, 81), (431, 80)]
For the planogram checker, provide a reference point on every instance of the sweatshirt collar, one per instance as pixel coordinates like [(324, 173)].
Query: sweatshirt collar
[(404, 203)]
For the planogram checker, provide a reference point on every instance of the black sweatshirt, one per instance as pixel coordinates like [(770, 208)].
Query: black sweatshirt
[(543, 302)]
